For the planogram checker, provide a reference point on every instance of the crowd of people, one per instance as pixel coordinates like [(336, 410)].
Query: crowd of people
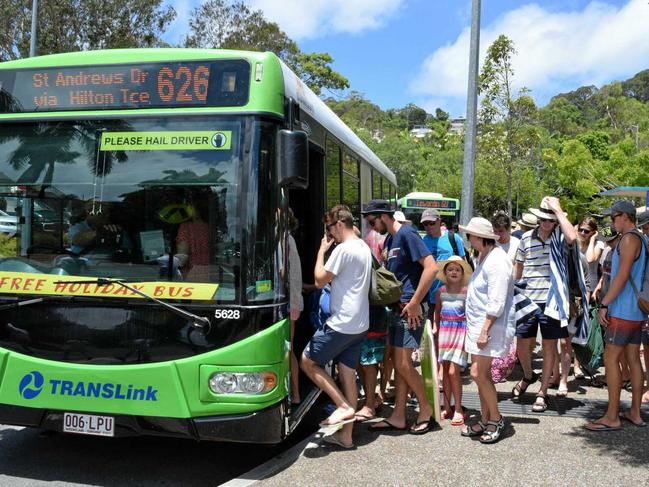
[(540, 275)]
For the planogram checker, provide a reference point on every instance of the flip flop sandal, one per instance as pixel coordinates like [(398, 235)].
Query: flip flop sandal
[(489, 437), (597, 427), (540, 406), (468, 431), (422, 431), (335, 441), (324, 424), (457, 422), (641, 424), (520, 388), (389, 427), (361, 418), (562, 392)]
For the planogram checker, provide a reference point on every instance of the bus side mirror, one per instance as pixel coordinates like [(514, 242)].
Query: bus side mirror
[(293, 159)]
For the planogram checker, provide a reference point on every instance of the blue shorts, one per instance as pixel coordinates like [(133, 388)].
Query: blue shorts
[(327, 345), (372, 351), (551, 329), (401, 335)]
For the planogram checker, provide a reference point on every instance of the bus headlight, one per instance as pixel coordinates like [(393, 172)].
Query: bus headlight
[(242, 382)]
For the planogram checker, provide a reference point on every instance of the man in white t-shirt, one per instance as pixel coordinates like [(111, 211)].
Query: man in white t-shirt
[(348, 269), (502, 226)]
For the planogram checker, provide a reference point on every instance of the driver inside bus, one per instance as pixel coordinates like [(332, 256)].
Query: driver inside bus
[(93, 233)]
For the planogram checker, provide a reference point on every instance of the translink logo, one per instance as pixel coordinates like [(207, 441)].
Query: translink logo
[(32, 384)]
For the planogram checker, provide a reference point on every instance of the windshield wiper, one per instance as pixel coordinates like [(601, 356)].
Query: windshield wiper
[(30, 301), (199, 322)]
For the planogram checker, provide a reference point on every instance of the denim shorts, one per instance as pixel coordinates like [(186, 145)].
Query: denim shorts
[(327, 345), (401, 335), (551, 329)]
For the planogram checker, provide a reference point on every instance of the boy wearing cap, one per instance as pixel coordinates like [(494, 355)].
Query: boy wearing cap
[(623, 319), (439, 245), (532, 266), (409, 259)]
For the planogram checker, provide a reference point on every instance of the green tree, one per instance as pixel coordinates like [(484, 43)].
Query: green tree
[(231, 24), (506, 119), (76, 25)]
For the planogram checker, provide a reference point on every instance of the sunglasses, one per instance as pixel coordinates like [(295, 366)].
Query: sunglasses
[(430, 224), (614, 216), (371, 221), (585, 230), (545, 220), (331, 225)]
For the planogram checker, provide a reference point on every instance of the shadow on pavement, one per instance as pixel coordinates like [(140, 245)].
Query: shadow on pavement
[(627, 446)]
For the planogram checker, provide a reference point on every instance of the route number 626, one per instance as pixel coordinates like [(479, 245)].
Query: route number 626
[(227, 314)]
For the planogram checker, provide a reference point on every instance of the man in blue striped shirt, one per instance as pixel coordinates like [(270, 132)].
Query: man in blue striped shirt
[(532, 266)]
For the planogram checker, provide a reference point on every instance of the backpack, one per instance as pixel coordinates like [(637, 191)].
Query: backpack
[(643, 293), (385, 288), (319, 307)]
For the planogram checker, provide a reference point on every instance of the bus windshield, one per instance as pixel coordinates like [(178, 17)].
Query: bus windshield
[(151, 199)]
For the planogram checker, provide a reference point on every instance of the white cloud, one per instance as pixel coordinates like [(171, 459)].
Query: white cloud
[(302, 19), (556, 51)]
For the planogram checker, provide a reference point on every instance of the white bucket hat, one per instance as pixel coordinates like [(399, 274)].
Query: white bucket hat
[(543, 212), (454, 259), (528, 220), (480, 227), (400, 217)]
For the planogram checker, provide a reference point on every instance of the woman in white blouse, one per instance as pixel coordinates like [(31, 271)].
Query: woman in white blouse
[(490, 322)]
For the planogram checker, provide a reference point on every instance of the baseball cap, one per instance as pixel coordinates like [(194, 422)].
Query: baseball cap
[(429, 215), (623, 206), (377, 206), (643, 218), (606, 233)]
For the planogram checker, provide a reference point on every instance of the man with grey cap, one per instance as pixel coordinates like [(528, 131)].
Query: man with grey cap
[(623, 318), (441, 247)]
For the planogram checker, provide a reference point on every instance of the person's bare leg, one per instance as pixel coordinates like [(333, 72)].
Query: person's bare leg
[(324, 381), (612, 356), (447, 413), (476, 371), (632, 353), (455, 380), (549, 358), (295, 370), (525, 355), (565, 348), (368, 375), (624, 367), (645, 352), (404, 367), (347, 377), (386, 371)]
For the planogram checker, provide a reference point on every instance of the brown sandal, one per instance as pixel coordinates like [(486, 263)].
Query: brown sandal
[(521, 387)]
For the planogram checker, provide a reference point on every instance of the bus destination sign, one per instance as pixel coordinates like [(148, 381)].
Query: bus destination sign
[(442, 204), (150, 85)]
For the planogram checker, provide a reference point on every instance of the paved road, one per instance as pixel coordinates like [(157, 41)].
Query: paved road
[(30, 457)]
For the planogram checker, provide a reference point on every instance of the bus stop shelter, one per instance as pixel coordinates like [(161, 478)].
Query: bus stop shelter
[(629, 192)]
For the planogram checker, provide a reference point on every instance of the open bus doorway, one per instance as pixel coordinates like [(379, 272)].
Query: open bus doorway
[(308, 207)]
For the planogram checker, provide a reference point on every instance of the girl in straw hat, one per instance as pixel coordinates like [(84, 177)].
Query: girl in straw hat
[(450, 324)]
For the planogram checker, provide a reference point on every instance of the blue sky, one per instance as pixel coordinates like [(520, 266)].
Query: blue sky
[(401, 51)]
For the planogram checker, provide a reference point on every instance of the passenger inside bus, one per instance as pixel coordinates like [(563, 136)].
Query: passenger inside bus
[(93, 233)]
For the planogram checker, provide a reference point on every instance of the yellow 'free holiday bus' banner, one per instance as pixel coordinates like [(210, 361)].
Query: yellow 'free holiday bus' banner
[(45, 284), (179, 140)]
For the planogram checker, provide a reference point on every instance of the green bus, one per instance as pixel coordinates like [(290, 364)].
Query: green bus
[(143, 286), (414, 204)]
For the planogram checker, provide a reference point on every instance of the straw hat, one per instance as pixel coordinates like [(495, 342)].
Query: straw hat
[(480, 227), (543, 211), (528, 220), (454, 259)]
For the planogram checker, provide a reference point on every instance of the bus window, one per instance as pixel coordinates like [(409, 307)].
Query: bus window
[(332, 163), (351, 185), (376, 185)]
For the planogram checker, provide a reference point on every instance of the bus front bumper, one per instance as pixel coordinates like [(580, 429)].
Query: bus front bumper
[(265, 426)]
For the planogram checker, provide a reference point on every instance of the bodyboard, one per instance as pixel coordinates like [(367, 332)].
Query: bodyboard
[(429, 370)]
